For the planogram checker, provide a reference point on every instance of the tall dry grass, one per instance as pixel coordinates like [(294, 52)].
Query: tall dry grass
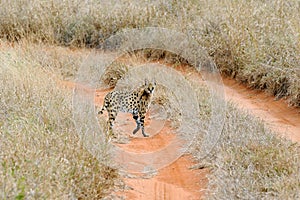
[(256, 42), (41, 155), (249, 161)]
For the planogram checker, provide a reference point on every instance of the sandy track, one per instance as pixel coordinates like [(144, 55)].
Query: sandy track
[(173, 182), (177, 181), (278, 116)]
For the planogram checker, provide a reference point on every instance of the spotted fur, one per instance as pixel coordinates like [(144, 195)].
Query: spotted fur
[(135, 102)]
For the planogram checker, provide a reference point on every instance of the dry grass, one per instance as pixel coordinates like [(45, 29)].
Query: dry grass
[(42, 157), (249, 161), (40, 153), (73, 23), (113, 73), (256, 42)]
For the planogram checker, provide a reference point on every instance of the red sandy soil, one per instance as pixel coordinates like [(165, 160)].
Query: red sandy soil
[(277, 114), (173, 182), (178, 181)]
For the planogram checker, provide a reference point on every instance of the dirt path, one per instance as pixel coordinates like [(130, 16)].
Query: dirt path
[(177, 181), (174, 182), (278, 116)]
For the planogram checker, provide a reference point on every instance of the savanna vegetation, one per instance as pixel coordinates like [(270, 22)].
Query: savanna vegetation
[(256, 42), (42, 42)]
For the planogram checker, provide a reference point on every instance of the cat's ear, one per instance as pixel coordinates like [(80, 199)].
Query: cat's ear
[(146, 81)]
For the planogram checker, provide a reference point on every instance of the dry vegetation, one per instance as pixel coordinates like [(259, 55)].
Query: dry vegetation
[(40, 153), (251, 162), (42, 157), (113, 73), (256, 42)]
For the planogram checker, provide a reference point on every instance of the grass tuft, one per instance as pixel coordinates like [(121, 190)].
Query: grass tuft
[(113, 73), (41, 156), (256, 42), (251, 162)]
